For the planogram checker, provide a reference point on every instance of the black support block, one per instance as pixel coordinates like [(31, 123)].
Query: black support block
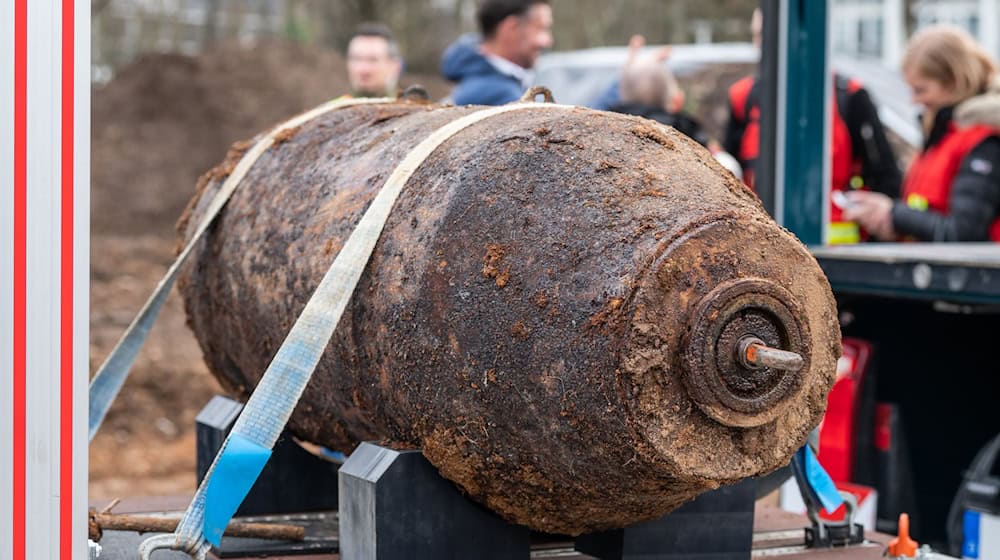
[(395, 505), (717, 525)]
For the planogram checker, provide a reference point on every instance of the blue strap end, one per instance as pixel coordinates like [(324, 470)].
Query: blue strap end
[(970, 534), (234, 475), (332, 455), (820, 482)]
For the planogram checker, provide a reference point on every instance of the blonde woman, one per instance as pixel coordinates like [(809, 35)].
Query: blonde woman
[(952, 189)]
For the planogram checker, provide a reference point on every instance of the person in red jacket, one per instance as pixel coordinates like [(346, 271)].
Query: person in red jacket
[(861, 155), (952, 189)]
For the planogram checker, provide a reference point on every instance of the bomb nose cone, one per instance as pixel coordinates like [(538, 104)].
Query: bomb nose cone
[(744, 350)]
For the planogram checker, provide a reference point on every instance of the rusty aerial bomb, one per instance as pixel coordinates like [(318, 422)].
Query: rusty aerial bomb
[(578, 316)]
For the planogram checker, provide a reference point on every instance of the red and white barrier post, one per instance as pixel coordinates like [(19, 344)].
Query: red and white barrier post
[(44, 268)]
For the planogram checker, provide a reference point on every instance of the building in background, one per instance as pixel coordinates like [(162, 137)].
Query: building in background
[(878, 29), (979, 17), (869, 29)]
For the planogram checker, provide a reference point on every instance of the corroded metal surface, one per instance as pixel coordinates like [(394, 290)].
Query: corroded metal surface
[(552, 313)]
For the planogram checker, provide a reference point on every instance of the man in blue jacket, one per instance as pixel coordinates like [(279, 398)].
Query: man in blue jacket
[(497, 68)]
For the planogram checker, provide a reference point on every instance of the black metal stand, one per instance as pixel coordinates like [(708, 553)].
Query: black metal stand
[(717, 525), (394, 505)]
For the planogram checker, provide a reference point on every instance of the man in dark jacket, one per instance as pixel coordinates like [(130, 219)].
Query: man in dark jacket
[(497, 69), (860, 149), (861, 157)]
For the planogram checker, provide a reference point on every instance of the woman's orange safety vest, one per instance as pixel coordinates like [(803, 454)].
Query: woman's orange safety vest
[(928, 182)]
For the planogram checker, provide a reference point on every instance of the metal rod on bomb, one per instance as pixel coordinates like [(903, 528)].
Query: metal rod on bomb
[(754, 354)]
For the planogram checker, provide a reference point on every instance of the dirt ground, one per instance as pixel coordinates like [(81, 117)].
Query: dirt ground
[(157, 126)]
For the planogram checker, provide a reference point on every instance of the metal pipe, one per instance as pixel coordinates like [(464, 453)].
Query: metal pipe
[(99, 522)]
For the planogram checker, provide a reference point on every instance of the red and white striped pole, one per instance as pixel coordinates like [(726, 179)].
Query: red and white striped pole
[(44, 264)]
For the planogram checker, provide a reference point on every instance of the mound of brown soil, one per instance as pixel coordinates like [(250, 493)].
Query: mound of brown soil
[(168, 118)]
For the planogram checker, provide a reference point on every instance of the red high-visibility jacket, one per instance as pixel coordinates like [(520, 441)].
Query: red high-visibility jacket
[(932, 174)]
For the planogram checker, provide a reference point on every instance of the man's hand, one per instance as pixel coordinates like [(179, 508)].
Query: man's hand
[(635, 45)]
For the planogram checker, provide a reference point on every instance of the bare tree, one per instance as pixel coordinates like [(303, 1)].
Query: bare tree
[(210, 27), (367, 10), (97, 6)]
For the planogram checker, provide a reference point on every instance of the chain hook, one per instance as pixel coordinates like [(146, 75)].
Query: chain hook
[(534, 91), (197, 550), (415, 93)]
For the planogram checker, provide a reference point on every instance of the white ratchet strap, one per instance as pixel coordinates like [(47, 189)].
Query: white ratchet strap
[(266, 413), (112, 374)]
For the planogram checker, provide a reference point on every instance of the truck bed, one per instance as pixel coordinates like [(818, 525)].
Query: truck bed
[(950, 272)]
